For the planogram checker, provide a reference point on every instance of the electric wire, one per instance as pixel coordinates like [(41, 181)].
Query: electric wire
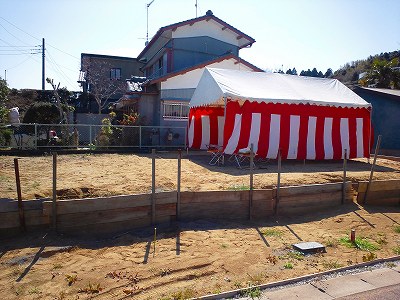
[(58, 69)]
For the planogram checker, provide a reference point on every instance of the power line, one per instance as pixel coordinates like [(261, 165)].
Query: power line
[(61, 72), (39, 39)]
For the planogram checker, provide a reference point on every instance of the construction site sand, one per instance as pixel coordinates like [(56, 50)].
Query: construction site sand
[(190, 259)]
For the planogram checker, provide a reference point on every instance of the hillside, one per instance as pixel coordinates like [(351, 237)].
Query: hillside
[(349, 73)]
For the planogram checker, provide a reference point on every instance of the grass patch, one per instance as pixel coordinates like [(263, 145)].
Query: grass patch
[(288, 265), (276, 233), (187, 293), (396, 250), (396, 228), (332, 265), (359, 243), (251, 292), (292, 255), (331, 243), (239, 188)]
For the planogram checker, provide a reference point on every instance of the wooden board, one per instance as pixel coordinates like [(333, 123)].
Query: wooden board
[(32, 218), (214, 196), (114, 215), (10, 205), (224, 210), (107, 203), (380, 197), (379, 185), (312, 198), (313, 189)]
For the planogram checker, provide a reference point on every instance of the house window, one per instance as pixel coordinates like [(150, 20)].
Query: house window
[(115, 74), (175, 110)]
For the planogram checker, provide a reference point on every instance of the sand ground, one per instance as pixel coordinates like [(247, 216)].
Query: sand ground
[(190, 259)]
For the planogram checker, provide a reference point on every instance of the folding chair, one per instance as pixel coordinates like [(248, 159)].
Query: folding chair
[(217, 155), (242, 156)]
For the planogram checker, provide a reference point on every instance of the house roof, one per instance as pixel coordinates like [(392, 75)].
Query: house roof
[(206, 17), (216, 84), (383, 91), (106, 56), (204, 64)]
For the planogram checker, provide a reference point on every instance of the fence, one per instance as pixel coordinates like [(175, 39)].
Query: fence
[(92, 137)]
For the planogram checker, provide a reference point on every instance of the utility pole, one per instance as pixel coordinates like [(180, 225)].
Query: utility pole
[(5, 75), (196, 8), (147, 33), (43, 70)]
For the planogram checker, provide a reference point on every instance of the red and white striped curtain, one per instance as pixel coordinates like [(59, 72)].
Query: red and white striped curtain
[(298, 131), (206, 127)]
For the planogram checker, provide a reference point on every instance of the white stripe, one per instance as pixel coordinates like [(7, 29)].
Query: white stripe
[(234, 138), (344, 136), (328, 148), (191, 132), (274, 136), (360, 137), (312, 127), (205, 132), (221, 124), (255, 131), (294, 137)]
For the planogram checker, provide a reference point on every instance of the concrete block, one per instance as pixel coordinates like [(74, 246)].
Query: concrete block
[(305, 291), (343, 286), (380, 277)]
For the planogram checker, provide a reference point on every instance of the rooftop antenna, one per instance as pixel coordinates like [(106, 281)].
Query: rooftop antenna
[(147, 33), (196, 8)]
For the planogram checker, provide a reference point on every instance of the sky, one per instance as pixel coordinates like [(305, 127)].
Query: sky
[(289, 33)]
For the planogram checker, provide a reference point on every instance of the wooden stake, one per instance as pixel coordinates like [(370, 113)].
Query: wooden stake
[(178, 187), (153, 186), (278, 186), (344, 175), (54, 207), (19, 194), (155, 239), (251, 181), (378, 144)]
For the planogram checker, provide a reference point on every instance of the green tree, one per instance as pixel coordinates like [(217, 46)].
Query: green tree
[(4, 90), (328, 73), (382, 75)]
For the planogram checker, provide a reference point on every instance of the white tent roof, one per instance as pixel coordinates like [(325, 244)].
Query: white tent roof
[(215, 84)]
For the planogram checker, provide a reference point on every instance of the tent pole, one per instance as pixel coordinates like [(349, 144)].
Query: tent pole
[(223, 132), (370, 135)]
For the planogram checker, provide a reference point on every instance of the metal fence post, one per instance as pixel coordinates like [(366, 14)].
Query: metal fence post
[(90, 134), (36, 137), (140, 137)]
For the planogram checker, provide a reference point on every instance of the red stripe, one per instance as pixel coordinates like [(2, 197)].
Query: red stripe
[(353, 137), (214, 129), (284, 135), (302, 148), (366, 137), (319, 138), (245, 126), (263, 141), (336, 141)]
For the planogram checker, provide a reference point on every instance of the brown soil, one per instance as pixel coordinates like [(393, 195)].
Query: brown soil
[(196, 258), (85, 175), (192, 259)]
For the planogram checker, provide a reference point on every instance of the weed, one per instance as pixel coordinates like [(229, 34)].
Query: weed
[(396, 250), (16, 271), (256, 278), (396, 228), (61, 296), (292, 255), (368, 257), (57, 266), (217, 289), (276, 233), (71, 279), (34, 290), (238, 285), (187, 293), (288, 265), (332, 265), (331, 243), (239, 188), (224, 246), (360, 243), (382, 239), (91, 289), (391, 264), (251, 292), (272, 259)]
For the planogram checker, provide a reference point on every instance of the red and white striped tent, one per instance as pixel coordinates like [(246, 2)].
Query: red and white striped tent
[(303, 117)]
